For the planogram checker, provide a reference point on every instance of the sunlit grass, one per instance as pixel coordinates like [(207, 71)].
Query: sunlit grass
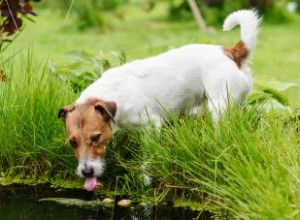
[(246, 167), (32, 138)]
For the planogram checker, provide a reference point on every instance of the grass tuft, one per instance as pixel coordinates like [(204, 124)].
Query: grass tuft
[(247, 165), (32, 137)]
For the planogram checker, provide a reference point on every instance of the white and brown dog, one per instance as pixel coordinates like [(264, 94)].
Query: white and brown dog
[(145, 89)]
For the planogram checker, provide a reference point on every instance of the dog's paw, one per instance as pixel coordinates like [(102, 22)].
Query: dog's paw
[(147, 180)]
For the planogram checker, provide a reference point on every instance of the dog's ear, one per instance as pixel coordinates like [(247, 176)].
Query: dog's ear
[(62, 114), (107, 110)]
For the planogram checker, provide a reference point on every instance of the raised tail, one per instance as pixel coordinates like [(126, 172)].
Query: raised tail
[(249, 22)]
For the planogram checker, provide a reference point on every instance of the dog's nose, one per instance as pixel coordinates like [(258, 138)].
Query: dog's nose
[(87, 172)]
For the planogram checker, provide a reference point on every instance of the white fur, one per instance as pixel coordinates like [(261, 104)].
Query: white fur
[(176, 79), (249, 22), (98, 167)]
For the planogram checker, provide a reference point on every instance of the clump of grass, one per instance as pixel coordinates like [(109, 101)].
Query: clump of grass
[(248, 165), (32, 137)]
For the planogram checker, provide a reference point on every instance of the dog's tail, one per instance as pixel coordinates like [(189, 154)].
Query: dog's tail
[(249, 22)]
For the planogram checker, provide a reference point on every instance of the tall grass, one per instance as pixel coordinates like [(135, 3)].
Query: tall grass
[(32, 138), (248, 166)]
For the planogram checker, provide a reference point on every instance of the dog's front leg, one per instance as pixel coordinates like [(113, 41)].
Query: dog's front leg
[(152, 127), (147, 177)]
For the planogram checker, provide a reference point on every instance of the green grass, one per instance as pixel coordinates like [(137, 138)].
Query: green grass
[(32, 138), (246, 168), (249, 166)]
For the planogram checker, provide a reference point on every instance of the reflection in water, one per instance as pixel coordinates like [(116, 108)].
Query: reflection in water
[(19, 202)]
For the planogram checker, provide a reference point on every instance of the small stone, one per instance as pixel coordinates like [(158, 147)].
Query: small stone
[(124, 203), (108, 200)]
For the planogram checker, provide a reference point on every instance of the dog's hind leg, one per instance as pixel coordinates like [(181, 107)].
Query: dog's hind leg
[(216, 107), (198, 105)]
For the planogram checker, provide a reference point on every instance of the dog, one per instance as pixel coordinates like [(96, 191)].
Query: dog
[(142, 90)]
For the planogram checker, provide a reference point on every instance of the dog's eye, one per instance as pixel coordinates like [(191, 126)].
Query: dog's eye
[(73, 142), (95, 138)]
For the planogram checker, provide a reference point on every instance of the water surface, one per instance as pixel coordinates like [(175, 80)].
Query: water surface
[(22, 202)]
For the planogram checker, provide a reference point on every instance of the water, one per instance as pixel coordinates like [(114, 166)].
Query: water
[(22, 202)]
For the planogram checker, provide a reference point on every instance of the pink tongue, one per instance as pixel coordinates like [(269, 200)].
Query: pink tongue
[(90, 183)]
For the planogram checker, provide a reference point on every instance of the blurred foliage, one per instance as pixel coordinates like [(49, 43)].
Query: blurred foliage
[(92, 13), (87, 13), (10, 17), (215, 11), (298, 5), (97, 4), (270, 95), (81, 68)]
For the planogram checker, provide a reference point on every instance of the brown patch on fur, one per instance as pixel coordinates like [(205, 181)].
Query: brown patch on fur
[(63, 112), (88, 127), (238, 53)]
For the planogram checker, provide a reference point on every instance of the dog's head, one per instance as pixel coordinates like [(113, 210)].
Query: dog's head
[(88, 128)]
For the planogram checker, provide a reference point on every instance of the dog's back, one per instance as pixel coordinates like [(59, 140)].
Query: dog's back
[(174, 79)]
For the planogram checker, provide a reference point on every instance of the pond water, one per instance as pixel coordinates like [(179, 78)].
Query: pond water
[(22, 202)]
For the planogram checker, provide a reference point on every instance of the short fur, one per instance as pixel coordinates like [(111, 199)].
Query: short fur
[(144, 89)]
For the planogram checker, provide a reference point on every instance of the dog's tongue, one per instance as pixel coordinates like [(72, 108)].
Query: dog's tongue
[(90, 183)]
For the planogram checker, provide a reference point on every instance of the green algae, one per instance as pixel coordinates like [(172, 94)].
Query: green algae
[(55, 183)]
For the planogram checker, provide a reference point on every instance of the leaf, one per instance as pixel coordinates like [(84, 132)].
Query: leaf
[(282, 86), (80, 68), (74, 65), (274, 92), (277, 95), (271, 105), (77, 55), (258, 97), (10, 21)]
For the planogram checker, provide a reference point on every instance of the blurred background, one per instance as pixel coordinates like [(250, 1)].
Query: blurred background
[(131, 24), (79, 39)]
